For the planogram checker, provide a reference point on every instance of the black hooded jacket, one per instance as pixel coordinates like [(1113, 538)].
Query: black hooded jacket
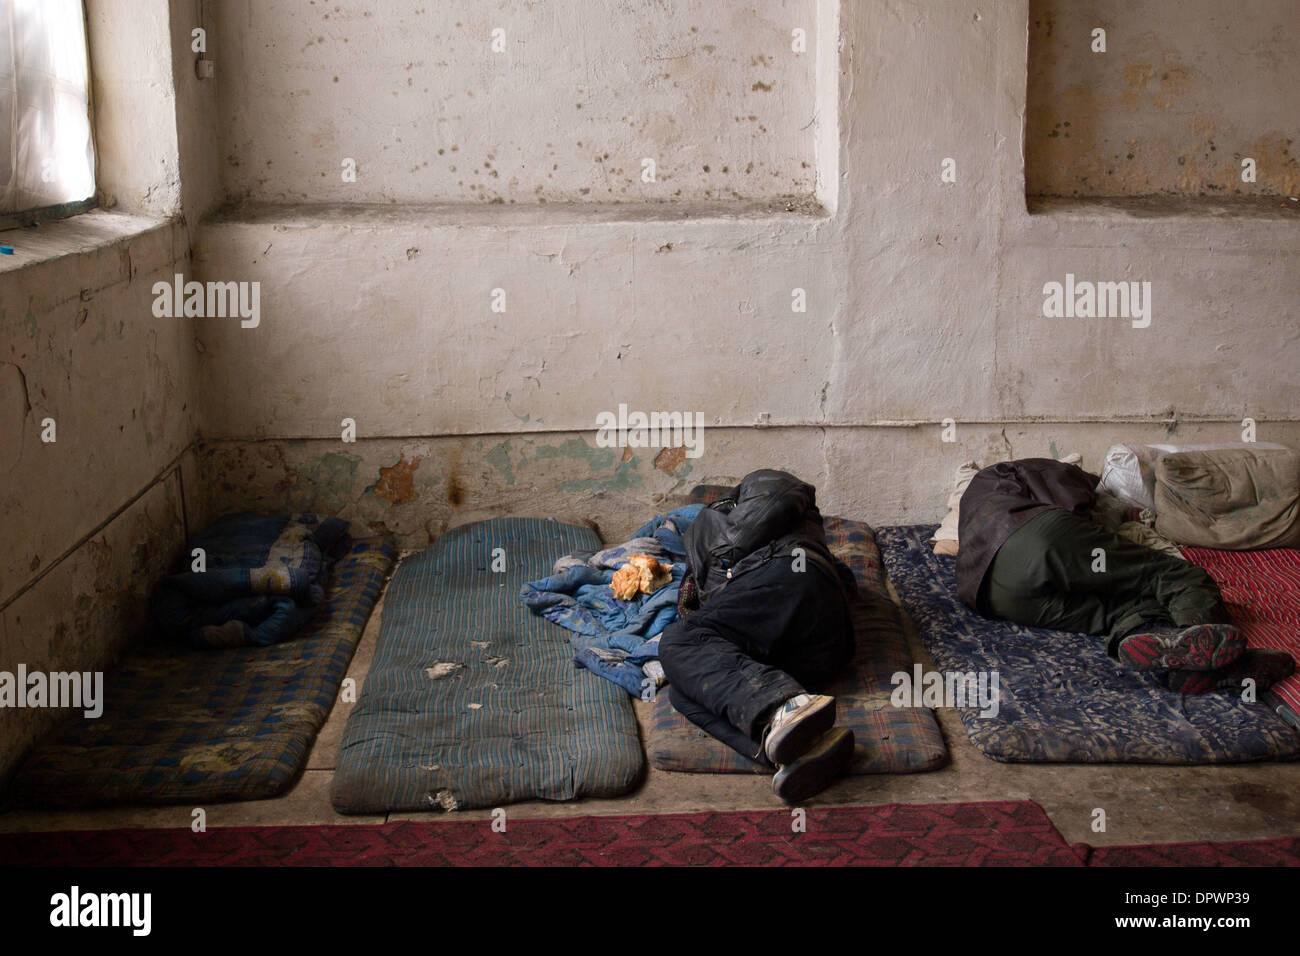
[(768, 515)]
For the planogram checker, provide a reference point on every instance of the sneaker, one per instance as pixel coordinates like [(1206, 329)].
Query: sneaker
[(826, 761), (796, 725), (1264, 667), (1201, 647)]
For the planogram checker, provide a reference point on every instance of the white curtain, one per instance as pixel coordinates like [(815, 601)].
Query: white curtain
[(47, 156)]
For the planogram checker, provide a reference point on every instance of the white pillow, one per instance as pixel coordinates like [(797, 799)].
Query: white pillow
[(961, 478)]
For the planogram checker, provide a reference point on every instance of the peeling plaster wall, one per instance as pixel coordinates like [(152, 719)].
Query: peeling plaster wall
[(1182, 94), (86, 530), (418, 488), (924, 302), (93, 519), (83, 348), (580, 94)]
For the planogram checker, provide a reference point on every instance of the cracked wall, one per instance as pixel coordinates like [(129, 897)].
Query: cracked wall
[(882, 475), (93, 518)]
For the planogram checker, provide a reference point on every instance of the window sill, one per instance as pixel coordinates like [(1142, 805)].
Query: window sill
[(1129, 208), (77, 235), (434, 215)]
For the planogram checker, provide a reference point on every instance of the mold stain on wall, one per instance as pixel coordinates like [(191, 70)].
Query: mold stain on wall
[(1181, 96)]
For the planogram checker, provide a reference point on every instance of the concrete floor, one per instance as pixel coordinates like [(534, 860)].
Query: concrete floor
[(1143, 804)]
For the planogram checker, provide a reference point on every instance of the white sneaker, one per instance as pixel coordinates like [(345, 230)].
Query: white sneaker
[(797, 725)]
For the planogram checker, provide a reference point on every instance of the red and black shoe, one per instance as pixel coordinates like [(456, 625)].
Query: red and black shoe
[(1201, 647), (1264, 667)]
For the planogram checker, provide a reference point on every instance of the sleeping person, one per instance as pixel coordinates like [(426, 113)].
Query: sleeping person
[(773, 621), (1032, 551)]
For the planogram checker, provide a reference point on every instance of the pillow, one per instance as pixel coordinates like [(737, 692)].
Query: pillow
[(1128, 471), (945, 539), (1236, 499)]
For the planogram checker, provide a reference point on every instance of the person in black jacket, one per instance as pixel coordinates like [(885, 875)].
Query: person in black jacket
[(773, 621), (1029, 552)]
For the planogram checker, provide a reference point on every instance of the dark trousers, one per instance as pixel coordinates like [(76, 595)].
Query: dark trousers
[(1044, 576), (759, 641)]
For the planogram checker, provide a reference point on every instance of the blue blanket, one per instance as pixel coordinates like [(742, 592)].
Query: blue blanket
[(616, 639), (258, 580)]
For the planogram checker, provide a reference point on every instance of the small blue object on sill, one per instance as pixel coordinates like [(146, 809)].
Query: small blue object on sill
[(6, 250)]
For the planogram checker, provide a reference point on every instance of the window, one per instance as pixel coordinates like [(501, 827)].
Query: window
[(47, 154)]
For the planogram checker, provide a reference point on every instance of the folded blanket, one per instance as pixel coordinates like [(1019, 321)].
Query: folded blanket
[(258, 580), (616, 639)]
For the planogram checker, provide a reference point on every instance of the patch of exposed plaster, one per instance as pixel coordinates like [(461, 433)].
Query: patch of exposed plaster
[(669, 459), (397, 482), (499, 458)]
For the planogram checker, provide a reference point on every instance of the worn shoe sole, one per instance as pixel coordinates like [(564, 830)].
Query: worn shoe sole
[(1264, 667), (795, 737), (824, 763), (1202, 647)]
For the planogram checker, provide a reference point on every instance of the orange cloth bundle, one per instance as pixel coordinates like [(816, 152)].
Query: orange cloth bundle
[(641, 575)]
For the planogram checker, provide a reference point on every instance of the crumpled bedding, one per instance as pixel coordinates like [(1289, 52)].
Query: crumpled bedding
[(263, 578), (1129, 470), (1236, 499), (619, 640), (194, 726)]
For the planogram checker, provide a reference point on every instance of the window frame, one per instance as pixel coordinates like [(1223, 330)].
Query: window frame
[(40, 214)]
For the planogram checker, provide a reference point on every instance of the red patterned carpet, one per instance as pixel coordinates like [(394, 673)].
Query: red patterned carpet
[(1284, 851), (1006, 833), (958, 834)]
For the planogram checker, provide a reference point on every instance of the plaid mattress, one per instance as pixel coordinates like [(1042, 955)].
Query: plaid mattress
[(474, 701), (1062, 699), (889, 739), (203, 725), (1262, 591)]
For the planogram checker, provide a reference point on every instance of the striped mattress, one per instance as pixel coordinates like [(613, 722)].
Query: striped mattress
[(474, 701)]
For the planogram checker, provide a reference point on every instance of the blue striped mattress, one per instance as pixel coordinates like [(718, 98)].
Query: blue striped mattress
[(472, 701)]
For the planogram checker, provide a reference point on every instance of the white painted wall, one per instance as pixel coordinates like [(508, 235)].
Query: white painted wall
[(924, 298), (563, 104)]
